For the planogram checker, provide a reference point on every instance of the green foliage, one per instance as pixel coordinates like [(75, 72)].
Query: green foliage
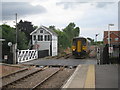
[(99, 42), (66, 35), (35, 27), (23, 38), (91, 41), (27, 28), (70, 32), (52, 28), (9, 34)]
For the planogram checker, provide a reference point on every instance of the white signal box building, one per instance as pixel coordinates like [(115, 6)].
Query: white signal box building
[(44, 38)]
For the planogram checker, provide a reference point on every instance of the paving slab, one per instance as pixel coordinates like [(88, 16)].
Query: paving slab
[(106, 76), (77, 80), (94, 77)]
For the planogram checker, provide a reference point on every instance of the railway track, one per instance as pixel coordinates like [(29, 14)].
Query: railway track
[(18, 76), (44, 80), (66, 56), (35, 78), (30, 79), (18, 71), (55, 80)]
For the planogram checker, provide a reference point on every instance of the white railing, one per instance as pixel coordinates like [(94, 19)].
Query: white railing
[(26, 55)]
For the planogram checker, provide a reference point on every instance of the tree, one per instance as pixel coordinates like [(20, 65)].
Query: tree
[(52, 27), (66, 35), (9, 34), (27, 28), (91, 40), (71, 31)]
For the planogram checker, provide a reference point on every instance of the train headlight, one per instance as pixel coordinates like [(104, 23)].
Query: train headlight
[(73, 49)]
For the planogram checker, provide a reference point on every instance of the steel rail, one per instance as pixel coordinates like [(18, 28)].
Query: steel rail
[(18, 71), (46, 79), (23, 77)]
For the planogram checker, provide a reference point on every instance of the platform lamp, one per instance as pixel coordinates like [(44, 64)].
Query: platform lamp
[(109, 33), (96, 37), (110, 49)]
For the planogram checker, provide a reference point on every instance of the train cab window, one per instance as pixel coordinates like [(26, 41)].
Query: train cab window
[(83, 42), (74, 42)]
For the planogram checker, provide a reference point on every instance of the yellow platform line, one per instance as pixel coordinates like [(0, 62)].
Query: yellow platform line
[(90, 79)]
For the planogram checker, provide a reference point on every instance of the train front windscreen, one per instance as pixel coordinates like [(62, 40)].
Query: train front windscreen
[(83, 40)]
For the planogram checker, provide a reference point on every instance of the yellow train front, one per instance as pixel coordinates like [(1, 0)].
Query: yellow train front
[(80, 47)]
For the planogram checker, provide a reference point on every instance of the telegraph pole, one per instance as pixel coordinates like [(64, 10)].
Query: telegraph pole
[(16, 29), (16, 39)]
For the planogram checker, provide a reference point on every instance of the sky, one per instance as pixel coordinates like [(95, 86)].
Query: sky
[(91, 16)]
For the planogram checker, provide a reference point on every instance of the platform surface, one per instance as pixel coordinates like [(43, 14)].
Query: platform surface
[(94, 76)]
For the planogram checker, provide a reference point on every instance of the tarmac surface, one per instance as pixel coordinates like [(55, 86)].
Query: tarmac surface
[(62, 62)]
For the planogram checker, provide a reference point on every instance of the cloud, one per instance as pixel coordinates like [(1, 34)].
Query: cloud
[(103, 4), (22, 8), (91, 17), (72, 4)]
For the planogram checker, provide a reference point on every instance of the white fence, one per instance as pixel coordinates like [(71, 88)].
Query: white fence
[(26, 55)]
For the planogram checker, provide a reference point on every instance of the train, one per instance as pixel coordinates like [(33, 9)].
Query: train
[(80, 47)]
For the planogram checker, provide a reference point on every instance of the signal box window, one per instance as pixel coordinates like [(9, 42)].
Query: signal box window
[(41, 37), (45, 37), (48, 37), (41, 31), (38, 37), (34, 37)]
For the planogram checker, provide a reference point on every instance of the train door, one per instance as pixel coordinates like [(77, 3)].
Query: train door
[(79, 45)]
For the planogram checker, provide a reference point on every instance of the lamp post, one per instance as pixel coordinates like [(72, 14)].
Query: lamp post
[(109, 33), (110, 49), (96, 37)]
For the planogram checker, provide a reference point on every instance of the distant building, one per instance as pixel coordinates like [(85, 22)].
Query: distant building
[(114, 37), (43, 39)]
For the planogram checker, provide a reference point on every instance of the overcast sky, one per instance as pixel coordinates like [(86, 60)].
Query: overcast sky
[(92, 17)]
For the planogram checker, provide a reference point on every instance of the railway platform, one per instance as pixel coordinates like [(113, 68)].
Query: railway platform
[(94, 76)]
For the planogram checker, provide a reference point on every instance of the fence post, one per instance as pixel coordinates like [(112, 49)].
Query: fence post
[(14, 54), (119, 54), (105, 55), (0, 51)]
